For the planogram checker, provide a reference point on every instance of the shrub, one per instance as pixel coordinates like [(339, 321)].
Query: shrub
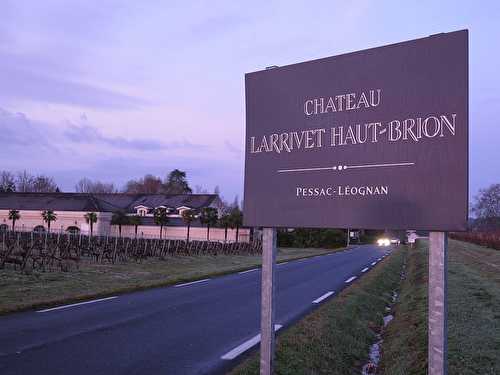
[(488, 239)]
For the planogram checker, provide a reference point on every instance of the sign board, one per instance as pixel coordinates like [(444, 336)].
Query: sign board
[(373, 139)]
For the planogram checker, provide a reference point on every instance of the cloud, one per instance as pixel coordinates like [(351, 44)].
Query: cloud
[(91, 135), (22, 135), (26, 84), (79, 149), (18, 131)]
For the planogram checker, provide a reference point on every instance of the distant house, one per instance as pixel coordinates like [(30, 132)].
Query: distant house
[(71, 209)]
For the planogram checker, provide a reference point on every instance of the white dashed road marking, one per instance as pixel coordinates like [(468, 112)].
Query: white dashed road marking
[(247, 271), (245, 346), (192, 282), (323, 297), (76, 304)]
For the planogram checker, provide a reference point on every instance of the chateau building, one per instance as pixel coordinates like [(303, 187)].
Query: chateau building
[(71, 210)]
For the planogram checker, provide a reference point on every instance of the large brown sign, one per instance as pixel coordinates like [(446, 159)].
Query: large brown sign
[(371, 139)]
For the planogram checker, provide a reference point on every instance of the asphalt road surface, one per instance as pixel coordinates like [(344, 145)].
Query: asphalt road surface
[(194, 328)]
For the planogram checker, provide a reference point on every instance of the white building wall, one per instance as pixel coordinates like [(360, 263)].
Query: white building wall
[(180, 233), (31, 218)]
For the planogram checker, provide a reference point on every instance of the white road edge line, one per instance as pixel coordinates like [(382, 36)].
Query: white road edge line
[(373, 263), (323, 297), (246, 345), (351, 279), (76, 304), (191, 283), (280, 264), (365, 269), (247, 271)]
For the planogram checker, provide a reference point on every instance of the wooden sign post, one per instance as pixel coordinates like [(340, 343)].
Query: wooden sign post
[(438, 304), (267, 301)]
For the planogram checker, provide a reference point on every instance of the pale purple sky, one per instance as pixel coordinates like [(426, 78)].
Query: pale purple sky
[(113, 90)]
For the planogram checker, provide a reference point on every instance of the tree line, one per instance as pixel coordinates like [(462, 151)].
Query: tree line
[(174, 183), (24, 182)]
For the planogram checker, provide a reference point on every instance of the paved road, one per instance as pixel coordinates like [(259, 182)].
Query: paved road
[(184, 329)]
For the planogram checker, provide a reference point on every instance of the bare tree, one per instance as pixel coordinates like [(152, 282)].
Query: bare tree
[(7, 182), (24, 182), (44, 184), (152, 184), (198, 189), (28, 183), (149, 184), (486, 205), (86, 185)]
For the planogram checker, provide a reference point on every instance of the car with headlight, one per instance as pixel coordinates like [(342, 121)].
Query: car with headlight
[(387, 241), (383, 241)]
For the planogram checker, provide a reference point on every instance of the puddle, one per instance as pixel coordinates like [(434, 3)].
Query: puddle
[(374, 355), (371, 366), (387, 319), (394, 296)]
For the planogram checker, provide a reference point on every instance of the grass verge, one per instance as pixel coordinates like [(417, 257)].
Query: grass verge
[(473, 309), (20, 291), (335, 338), (404, 349), (473, 314)]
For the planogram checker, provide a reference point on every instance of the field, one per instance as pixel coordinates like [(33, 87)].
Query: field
[(21, 290), (473, 314)]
